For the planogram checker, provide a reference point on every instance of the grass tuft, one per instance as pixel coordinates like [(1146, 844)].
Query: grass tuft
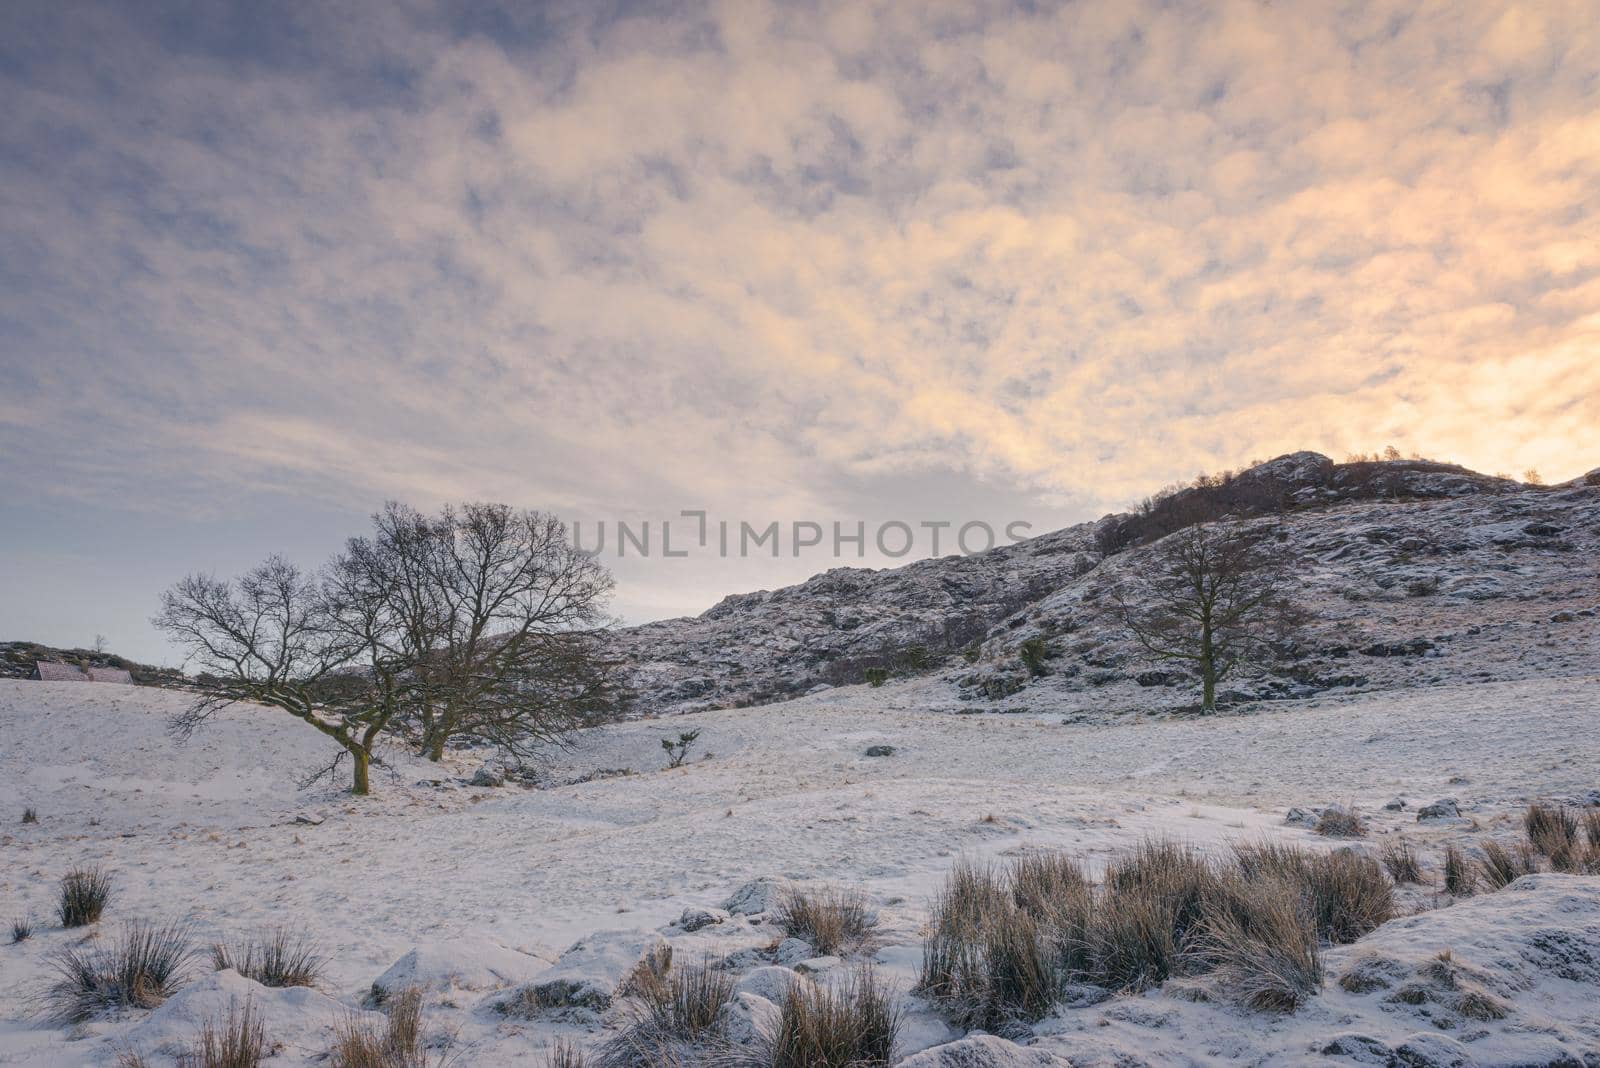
[(84, 894), (679, 1011), (278, 959), (829, 918), (853, 1024), (30, 815), (1551, 829), (398, 1044), (1501, 866), (237, 1041), (1400, 860), (21, 929), (1460, 876), (138, 971), (1259, 943), (1340, 822)]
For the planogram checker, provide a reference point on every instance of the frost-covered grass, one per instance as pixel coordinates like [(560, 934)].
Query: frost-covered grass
[(209, 829)]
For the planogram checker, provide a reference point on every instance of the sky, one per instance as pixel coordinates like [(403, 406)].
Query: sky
[(265, 266)]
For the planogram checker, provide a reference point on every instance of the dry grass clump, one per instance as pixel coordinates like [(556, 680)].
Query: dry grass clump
[(21, 929), (84, 893), (1591, 828), (564, 1055), (237, 1041), (1005, 942), (398, 1044), (1460, 875), (279, 959), (829, 918), (677, 1013), (138, 971), (854, 1024), (1338, 821), (30, 815), (1551, 829), (1259, 943), (1502, 866), (1400, 860)]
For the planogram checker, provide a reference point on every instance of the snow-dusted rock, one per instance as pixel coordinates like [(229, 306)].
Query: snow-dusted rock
[(748, 1018), (818, 965), (489, 775), (756, 896), (880, 750), (1302, 817), (793, 950), (771, 982), (983, 1051), (600, 967), (694, 919), (463, 962), (298, 1015), (1446, 808)]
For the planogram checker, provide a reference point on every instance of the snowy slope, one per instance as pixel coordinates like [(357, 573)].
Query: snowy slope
[(207, 829), (1417, 572)]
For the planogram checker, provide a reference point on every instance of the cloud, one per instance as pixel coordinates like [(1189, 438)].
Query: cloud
[(745, 254)]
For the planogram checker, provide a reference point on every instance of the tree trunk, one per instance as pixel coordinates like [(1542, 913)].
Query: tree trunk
[(360, 786), (1208, 670), (436, 749)]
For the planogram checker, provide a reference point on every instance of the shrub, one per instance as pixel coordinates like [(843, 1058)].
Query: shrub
[(1460, 877), (1033, 653), (21, 929), (278, 959), (1340, 822), (1500, 866), (876, 676), (84, 893), (144, 965), (398, 1044), (1550, 830), (1401, 861), (680, 1010), (828, 918), (851, 1025), (678, 751), (30, 815), (564, 1055), (1260, 945), (238, 1041)]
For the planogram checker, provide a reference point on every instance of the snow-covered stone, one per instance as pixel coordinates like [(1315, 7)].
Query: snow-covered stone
[(1302, 817), (489, 775), (748, 1018), (299, 1016), (462, 962), (984, 1051), (600, 967), (792, 950), (880, 750), (695, 919), (756, 896), (1447, 808), (771, 982), (818, 965)]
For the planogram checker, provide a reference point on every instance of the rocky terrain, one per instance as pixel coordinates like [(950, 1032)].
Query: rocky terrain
[(1415, 572)]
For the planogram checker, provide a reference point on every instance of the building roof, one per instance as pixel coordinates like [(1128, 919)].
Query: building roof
[(110, 674), (53, 671)]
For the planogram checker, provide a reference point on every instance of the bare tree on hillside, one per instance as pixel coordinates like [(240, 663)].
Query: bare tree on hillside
[(1213, 598), (269, 638)]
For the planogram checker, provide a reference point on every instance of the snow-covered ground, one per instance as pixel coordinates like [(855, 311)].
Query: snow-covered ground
[(209, 829)]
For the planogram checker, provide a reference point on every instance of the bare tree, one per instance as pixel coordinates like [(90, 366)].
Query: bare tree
[(499, 609), (1210, 597), (269, 637)]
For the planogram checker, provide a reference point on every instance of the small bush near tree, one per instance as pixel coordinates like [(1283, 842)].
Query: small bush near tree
[(1033, 653), (876, 676), (678, 749)]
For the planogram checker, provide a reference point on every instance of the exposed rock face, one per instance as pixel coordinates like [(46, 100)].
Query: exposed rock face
[(1397, 560)]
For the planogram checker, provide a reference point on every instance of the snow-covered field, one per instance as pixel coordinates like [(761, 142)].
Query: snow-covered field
[(209, 829)]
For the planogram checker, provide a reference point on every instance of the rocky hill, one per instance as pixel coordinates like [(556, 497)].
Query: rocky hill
[(1415, 572), (18, 658)]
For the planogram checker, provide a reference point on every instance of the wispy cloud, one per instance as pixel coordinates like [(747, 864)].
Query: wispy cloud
[(747, 254)]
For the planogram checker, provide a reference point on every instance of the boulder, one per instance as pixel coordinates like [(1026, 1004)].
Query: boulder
[(756, 896), (792, 950), (458, 963), (693, 919), (817, 965), (771, 982), (601, 967), (880, 750), (748, 1018), (488, 775), (983, 1051), (1426, 1050), (1446, 808), (1302, 817)]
